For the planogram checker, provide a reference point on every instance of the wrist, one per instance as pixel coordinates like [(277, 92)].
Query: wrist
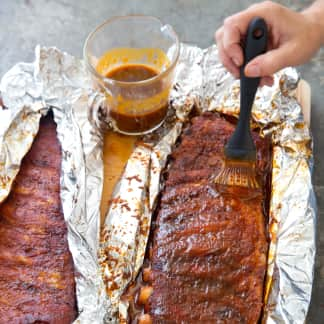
[(314, 15)]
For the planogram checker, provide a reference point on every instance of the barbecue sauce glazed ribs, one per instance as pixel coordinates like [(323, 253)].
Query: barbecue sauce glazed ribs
[(206, 257), (36, 268)]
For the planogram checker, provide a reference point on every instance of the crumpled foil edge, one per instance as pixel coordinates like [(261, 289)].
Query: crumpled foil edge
[(120, 255), (19, 135)]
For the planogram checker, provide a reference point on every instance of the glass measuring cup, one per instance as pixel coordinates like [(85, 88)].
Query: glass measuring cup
[(132, 60)]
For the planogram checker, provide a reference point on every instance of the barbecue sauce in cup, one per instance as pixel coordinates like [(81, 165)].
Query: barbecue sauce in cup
[(136, 83), (132, 73), (137, 108)]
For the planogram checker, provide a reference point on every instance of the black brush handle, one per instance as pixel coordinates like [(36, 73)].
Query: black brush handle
[(241, 145)]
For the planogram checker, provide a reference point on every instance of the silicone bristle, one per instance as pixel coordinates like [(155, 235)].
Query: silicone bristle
[(238, 173)]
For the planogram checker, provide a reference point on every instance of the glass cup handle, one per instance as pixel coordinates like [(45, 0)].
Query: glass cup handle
[(105, 108), (99, 108)]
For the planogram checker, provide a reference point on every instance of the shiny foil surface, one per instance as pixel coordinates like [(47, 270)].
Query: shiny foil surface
[(202, 83), (60, 82)]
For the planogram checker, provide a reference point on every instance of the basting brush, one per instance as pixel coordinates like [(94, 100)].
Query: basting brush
[(240, 152)]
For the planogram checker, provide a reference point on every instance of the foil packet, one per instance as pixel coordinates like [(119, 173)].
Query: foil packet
[(202, 83), (60, 82)]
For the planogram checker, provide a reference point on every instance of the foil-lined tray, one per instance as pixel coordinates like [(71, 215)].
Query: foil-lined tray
[(105, 266), (203, 83)]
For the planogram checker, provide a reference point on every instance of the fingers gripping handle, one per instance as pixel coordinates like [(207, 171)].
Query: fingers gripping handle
[(256, 39), (255, 45), (241, 144)]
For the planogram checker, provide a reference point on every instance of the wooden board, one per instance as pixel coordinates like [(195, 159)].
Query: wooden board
[(304, 97), (118, 148)]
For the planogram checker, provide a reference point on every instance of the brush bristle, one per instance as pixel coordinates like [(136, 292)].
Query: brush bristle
[(238, 173)]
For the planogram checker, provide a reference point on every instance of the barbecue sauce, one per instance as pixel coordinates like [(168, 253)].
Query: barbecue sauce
[(134, 116), (132, 73)]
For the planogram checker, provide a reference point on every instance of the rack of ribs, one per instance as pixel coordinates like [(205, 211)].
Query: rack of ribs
[(36, 268), (207, 253)]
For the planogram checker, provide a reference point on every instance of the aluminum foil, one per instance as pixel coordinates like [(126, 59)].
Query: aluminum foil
[(60, 82), (203, 83), (122, 255)]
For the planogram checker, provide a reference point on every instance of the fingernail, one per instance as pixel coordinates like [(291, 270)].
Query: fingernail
[(236, 61), (252, 70)]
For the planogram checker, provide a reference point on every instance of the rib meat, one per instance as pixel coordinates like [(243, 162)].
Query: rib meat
[(36, 267), (208, 251)]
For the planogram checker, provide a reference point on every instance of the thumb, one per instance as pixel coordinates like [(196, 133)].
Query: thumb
[(270, 62)]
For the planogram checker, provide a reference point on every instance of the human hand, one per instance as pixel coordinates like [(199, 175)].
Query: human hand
[(293, 39)]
